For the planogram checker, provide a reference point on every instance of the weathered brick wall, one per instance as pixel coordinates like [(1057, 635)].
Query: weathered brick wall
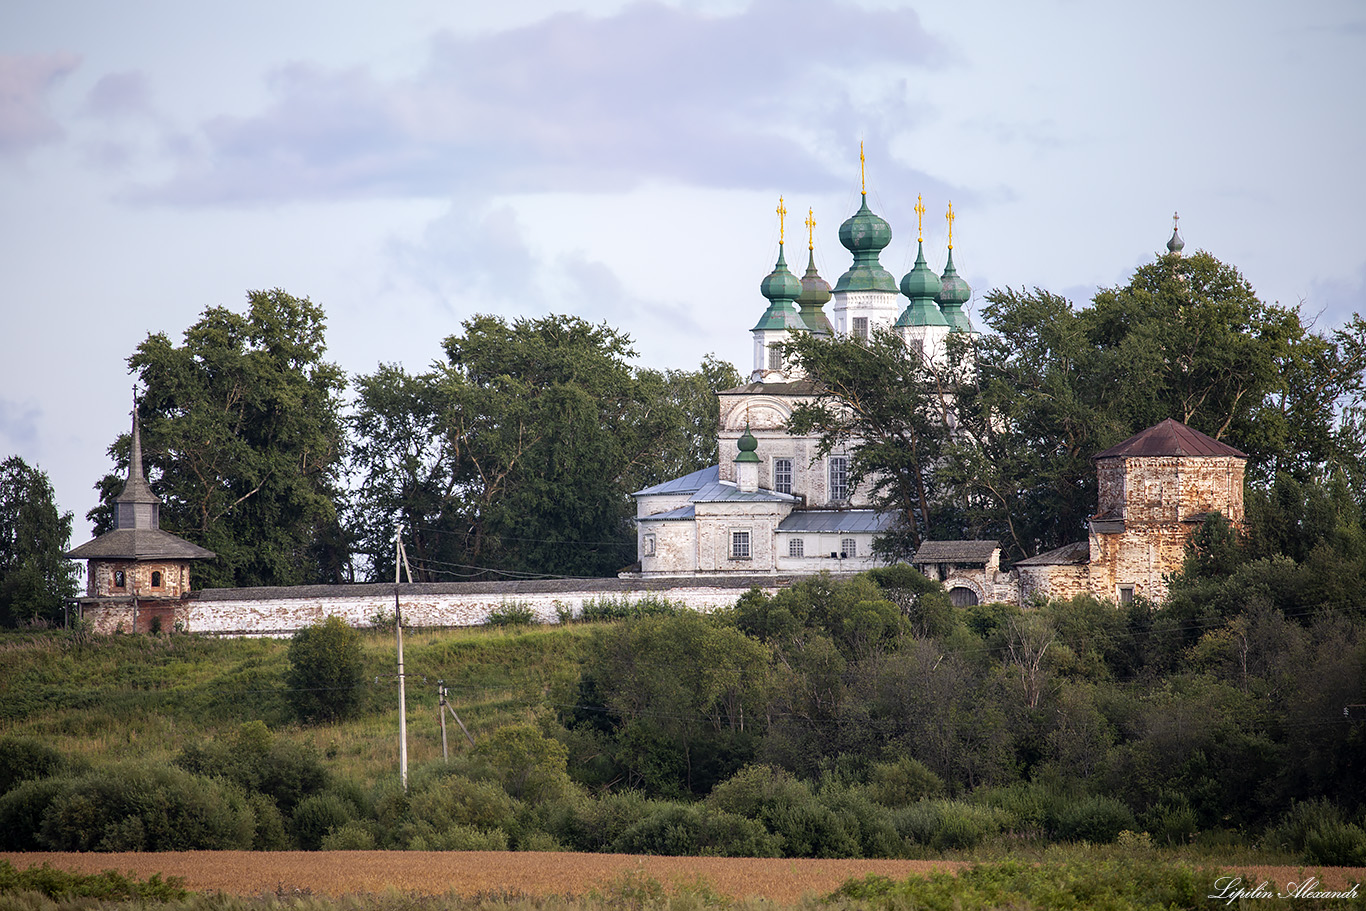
[(1057, 581)]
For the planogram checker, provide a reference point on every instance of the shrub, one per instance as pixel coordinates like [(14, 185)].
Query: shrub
[(460, 801), (260, 762), (902, 782), (317, 816), (141, 808), (683, 830), (352, 836), (608, 608), (512, 613), (22, 809), (108, 886), (460, 838), (1097, 819), (946, 824), (1316, 831), (24, 759), (325, 670)]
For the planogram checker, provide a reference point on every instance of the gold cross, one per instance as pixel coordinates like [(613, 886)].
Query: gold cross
[(920, 217), (950, 217), (810, 229), (1175, 218), (782, 213), (862, 172)]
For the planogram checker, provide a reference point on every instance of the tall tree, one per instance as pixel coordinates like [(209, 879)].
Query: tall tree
[(243, 441), (517, 454), (35, 576)]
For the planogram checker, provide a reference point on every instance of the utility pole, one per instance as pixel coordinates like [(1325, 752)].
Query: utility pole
[(398, 629), (442, 708)]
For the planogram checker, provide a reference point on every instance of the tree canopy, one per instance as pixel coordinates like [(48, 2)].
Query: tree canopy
[(516, 455), (243, 442), (35, 576)]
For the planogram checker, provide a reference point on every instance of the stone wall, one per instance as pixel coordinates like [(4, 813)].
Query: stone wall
[(282, 611), (173, 577)]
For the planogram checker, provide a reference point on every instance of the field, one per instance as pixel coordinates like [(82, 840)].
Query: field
[(472, 873)]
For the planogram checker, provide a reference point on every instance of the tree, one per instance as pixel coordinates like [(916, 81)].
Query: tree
[(243, 442), (893, 410), (517, 454), (325, 670), (35, 576)]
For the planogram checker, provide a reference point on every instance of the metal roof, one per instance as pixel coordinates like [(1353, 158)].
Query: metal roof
[(796, 387), (1080, 552), (853, 521), (955, 552), (689, 483), (726, 492), (1170, 438), (673, 515)]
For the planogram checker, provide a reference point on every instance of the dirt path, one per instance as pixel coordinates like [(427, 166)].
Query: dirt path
[(469, 872)]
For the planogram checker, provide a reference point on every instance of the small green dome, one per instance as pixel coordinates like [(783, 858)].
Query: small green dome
[(780, 284), (922, 286), (748, 444), (815, 294), (954, 292), (865, 235)]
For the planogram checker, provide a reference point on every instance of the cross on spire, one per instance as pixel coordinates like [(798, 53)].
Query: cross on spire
[(950, 216), (919, 218), (1176, 218), (782, 214), (810, 229), (862, 170)]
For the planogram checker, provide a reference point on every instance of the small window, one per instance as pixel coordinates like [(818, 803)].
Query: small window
[(120, 580), (1126, 594), (848, 547), (782, 475), (156, 579), (794, 547), (739, 545), (860, 329), (647, 545), (775, 358), (918, 346), (839, 477)]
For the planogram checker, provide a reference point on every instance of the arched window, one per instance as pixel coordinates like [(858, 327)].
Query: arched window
[(120, 580), (156, 580)]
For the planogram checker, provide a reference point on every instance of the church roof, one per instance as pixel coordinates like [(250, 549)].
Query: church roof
[(681, 514), (955, 552), (727, 492), (1170, 438), (1067, 555), (688, 483), (796, 387), (852, 521)]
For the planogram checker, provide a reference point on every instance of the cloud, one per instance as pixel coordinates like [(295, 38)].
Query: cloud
[(119, 96), (18, 426), (576, 102), (25, 121)]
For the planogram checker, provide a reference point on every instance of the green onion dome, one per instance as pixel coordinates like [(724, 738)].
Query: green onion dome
[(747, 446), (782, 290), (865, 235), (954, 292), (922, 286), (815, 295)]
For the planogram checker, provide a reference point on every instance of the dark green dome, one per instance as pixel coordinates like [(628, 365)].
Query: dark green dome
[(747, 445), (921, 280), (780, 284), (952, 288), (865, 235), (815, 294)]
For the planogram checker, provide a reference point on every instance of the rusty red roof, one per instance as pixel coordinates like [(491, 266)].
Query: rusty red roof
[(1170, 438)]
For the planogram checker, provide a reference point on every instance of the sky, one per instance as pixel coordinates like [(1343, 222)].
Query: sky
[(409, 164)]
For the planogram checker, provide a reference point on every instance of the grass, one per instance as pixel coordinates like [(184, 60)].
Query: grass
[(147, 697)]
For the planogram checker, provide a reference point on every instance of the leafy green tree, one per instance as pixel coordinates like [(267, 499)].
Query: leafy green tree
[(243, 442), (35, 576), (325, 670), (518, 452)]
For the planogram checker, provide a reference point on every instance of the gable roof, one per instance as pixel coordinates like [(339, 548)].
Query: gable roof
[(955, 552), (689, 483), (1170, 438), (1068, 554)]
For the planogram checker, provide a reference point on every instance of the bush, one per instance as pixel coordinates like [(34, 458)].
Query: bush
[(316, 817), (683, 830), (141, 808), (108, 886), (1316, 831), (902, 782), (1096, 819), (25, 759), (607, 608), (21, 812), (459, 801), (946, 824), (512, 613), (325, 670), (260, 762), (352, 836)]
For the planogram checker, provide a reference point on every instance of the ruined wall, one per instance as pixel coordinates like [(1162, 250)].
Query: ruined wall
[(137, 578), (1061, 580)]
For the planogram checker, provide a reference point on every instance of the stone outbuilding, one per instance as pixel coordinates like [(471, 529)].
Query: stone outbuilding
[(137, 576)]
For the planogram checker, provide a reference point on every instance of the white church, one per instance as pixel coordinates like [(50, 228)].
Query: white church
[(773, 504)]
